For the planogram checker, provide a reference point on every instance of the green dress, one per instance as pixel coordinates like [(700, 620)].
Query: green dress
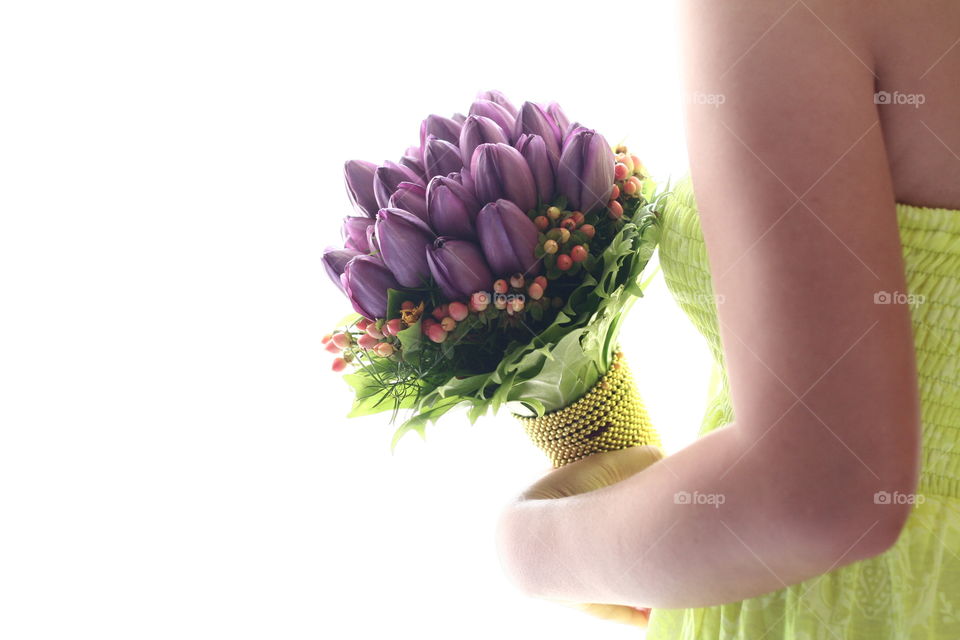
[(913, 589)]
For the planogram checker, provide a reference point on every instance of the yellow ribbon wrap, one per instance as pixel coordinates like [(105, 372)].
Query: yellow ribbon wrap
[(609, 417)]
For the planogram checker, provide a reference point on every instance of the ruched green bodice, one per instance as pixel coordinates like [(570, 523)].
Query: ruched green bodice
[(913, 589)]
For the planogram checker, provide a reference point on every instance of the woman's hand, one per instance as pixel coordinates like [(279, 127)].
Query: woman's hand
[(595, 472)]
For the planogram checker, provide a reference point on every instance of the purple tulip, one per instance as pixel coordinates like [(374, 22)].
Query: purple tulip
[(500, 99), (458, 118), (412, 159), (508, 238), (585, 173), (495, 112), (439, 127), (533, 119), (452, 208), (441, 157), (366, 280), (334, 260), (354, 232), (559, 117), (534, 151), (458, 268), (476, 131), (372, 241), (410, 197), (358, 176), (499, 171), (403, 238), (388, 177)]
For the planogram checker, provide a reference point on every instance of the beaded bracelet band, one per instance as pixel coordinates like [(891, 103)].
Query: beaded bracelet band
[(609, 417)]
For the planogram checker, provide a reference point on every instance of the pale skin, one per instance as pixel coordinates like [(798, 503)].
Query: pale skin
[(796, 175)]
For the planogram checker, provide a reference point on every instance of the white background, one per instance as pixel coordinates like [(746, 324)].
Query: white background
[(174, 460)]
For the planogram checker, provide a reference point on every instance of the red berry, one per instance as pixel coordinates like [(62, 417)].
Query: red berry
[(436, 333), (564, 262), (366, 341), (440, 312), (332, 347), (327, 338), (568, 223), (458, 310), (535, 291), (621, 171), (578, 253), (578, 217), (616, 193), (339, 364), (384, 349), (448, 324), (500, 286), (407, 304), (542, 281), (542, 222), (588, 230), (615, 209), (342, 340)]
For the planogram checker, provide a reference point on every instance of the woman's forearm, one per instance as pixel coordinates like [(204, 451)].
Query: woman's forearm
[(716, 522)]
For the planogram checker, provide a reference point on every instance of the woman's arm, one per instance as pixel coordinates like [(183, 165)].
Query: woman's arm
[(798, 215)]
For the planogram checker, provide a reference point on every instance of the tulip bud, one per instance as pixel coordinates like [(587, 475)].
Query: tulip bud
[(410, 197), (500, 99), (403, 239), (358, 176), (387, 178), (366, 280), (508, 238), (478, 130), (534, 151), (441, 157), (559, 117), (533, 119), (334, 261), (440, 128), (495, 112), (451, 208), (458, 266), (585, 173), (499, 171), (354, 232)]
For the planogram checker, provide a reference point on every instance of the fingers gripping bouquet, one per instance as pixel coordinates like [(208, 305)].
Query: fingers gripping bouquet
[(492, 266)]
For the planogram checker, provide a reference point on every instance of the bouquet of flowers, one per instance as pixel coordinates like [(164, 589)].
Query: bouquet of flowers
[(492, 266)]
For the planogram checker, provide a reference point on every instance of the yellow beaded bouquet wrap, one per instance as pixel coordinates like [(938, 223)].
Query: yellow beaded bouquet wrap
[(610, 416)]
